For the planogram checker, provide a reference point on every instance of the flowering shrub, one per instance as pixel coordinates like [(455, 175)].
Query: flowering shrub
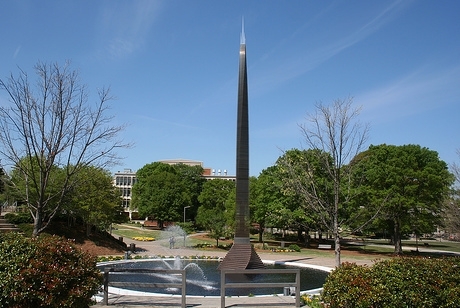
[(312, 301), (143, 238), (46, 272), (398, 282), (109, 258), (136, 257)]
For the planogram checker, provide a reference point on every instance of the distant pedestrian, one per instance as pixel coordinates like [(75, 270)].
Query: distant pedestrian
[(172, 240)]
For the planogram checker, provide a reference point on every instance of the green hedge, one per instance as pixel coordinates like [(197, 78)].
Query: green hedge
[(394, 283), (19, 218), (46, 272)]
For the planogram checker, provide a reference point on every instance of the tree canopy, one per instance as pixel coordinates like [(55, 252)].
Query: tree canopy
[(212, 213), (410, 181), (162, 191), (95, 200)]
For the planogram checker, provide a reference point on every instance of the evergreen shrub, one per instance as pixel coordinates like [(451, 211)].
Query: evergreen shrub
[(19, 218), (294, 247), (394, 283), (47, 271)]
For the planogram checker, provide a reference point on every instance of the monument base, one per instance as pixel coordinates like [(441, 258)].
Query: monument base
[(241, 256)]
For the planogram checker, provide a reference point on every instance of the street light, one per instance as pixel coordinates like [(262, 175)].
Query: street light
[(185, 207), (185, 234)]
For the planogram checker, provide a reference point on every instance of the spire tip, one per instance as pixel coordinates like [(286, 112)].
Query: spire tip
[(243, 38)]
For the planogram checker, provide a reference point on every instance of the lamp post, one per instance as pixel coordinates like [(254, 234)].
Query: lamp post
[(185, 234)]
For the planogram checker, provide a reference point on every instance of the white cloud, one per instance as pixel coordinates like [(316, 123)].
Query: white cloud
[(421, 90), (16, 52), (124, 27), (308, 59)]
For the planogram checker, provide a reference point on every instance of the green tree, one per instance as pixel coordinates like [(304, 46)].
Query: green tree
[(52, 125), (212, 214), (162, 191), (411, 182), (95, 199), (307, 188), (271, 205), (26, 189), (335, 136)]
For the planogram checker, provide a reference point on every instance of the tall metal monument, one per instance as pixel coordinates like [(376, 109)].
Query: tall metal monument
[(242, 255)]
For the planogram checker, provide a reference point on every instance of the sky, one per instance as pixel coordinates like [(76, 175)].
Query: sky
[(172, 67)]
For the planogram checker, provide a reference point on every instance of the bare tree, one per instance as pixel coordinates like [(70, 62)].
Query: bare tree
[(49, 132), (334, 137)]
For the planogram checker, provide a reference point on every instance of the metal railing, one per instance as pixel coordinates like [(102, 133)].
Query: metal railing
[(224, 284), (181, 285)]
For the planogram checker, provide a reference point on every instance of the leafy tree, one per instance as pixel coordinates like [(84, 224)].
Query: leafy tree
[(162, 191), (301, 171), (410, 181), (22, 188), (272, 205), (212, 213), (335, 136), (95, 199), (192, 177), (53, 126)]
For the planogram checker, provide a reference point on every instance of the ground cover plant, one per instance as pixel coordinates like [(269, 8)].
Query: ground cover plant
[(47, 271), (394, 283)]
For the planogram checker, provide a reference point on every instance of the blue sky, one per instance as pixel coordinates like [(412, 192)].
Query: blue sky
[(173, 66)]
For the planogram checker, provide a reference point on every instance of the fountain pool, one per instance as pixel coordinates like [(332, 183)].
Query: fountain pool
[(203, 277)]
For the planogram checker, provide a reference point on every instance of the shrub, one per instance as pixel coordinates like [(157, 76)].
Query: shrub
[(398, 282), (46, 272), (294, 247), (19, 218)]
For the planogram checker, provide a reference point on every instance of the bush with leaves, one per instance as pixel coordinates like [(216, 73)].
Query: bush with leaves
[(47, 271), (397, 282), (294, 247), (19, 218)]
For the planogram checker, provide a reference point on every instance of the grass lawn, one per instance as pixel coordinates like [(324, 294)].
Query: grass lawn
[(131, 230), (425, 244)]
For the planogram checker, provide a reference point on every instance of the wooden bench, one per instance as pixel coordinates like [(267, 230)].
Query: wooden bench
[(324, 246)]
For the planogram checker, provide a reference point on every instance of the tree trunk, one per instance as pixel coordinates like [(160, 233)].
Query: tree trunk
[(337, 250), (397, 237), (299, 235), (88, 229), (37, 223), (261, 233), (336, 240), (307, 238)]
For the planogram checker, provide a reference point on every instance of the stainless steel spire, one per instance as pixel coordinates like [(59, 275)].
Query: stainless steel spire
[(242, 255)]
